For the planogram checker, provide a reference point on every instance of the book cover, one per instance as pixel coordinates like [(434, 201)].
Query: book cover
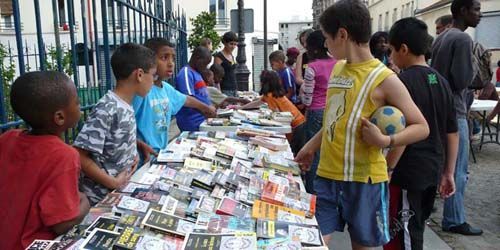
[(214, 223), (100, 239), (285, 216), (110, 200), (42, 244), (204, 241), (278, 243), (193, 163), (206, 205), (306, 235), (102, 222), (146, 195), (218, 192), (129, 219), (131, 186), (225, 151), (170, 205), (265, 210), (130, 203), (274, 193), (306, 202), (281, 164), (149, 242), (232, 207), (148, 179), (167, 223), (128, 239)]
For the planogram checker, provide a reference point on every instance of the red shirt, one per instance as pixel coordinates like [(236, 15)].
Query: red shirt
[(498, 74), (38, 187)]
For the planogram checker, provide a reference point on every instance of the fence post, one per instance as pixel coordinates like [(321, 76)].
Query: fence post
[(56, 36), (19, 37), (3, 114), (106, 44), (41, 47), (71, 19)]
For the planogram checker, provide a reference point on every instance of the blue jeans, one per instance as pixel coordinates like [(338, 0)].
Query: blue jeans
[(314, 121), (454, 211)]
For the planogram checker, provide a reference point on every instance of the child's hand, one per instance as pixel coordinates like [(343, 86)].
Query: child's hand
[(210, 112), (305, 158), (122, 179), (372, 135), (146, 150)]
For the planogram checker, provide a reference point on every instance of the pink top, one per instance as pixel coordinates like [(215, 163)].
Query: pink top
[(315, 84)]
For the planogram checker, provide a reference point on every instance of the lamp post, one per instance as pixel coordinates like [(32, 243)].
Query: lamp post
[(241, 71)]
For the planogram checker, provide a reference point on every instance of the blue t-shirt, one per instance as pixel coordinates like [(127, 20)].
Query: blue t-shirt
[(288, 81), (154, 112), (190, 82)]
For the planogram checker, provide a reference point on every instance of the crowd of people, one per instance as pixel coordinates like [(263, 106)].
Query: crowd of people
[(331, 86)]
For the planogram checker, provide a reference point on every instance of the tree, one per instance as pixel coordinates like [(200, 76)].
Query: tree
[(203, 27)]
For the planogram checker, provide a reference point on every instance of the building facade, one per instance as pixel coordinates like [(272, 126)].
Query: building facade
[(289, 32), (386, 12), (318, 7)]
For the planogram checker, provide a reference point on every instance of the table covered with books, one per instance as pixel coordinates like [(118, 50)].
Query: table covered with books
[(229, 120), (207, 190)]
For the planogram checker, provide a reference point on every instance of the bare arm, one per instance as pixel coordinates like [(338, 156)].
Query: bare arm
[(447, 183), (306, 154), (252, 105), (393, 92), (207, 111), (217, 60), (90, 168), (298, 70), (393, 156), (63, 227)]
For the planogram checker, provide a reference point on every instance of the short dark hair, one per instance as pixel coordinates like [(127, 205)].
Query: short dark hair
[(413, 33), (277, 55), (129, 57), (271, 83), (205, 74), (305, 33), (218, 70), (156, 43), (374, 40), (498, 64), (351, 15), (229, 37), (205, 41), (456, 5), (199, 53), (444, 20), (35, 96), (316, 45)]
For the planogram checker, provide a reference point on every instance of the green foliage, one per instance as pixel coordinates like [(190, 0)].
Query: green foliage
[(8, 73), (67, 59), (203, 26)]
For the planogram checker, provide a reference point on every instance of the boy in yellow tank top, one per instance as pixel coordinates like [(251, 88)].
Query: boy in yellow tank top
[(352, 174)]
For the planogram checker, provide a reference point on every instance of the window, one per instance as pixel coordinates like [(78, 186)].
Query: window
[(408, 13), (395, 15), (212, 7), (221, 10), (402, 11), (380, 24), (386, 21), (7, 22), (62, 13)]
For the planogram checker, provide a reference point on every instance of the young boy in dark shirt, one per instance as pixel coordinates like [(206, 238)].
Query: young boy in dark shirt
[(417, 175), (39, 196)]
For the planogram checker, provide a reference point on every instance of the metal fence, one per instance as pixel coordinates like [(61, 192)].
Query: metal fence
[(82, 40)]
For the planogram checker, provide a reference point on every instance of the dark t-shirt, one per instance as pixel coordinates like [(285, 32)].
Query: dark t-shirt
[(421, 163), (229, 80)]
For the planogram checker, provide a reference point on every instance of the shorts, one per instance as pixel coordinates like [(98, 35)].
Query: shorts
[(364, 207), (408, 211)]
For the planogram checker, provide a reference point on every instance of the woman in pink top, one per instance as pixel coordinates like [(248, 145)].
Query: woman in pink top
[(313, 93)]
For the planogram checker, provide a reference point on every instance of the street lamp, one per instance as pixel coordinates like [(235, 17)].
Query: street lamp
[(241, 71)]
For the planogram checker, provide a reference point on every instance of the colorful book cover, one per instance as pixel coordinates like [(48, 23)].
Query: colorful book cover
[(131, 186), (111, 200), (129, 238), (146, 195), (274, 193), (206, 204), (265, 210), (278, 244), (214, 223), (232, 207)]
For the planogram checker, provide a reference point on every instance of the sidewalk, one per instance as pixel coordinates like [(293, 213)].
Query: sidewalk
[(341, 241)]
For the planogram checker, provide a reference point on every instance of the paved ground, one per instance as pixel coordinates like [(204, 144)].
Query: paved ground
[(482, 206)]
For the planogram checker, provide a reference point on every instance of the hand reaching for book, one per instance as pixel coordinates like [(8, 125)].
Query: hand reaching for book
[(304, 158), (123, 177)]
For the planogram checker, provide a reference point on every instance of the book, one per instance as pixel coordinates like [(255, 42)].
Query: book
[(206, 204), (218, 192), (271, 123), (110, 200), (278, 243), (204, 241), (149, 242), (225, 151), (146, 195), (193, 163), (265, 210), (131, 186), (170, 205), (232, 207), (308, 235), (214, 223), (101, 222), (100, 239), (224, 113), (285, 216), (42, 244), (130, 203), (304, 201), (129, 219), (148, 179), (167, 223), (218, 121), (128, 239), (284, 117), (274, 193), (270, 143), (281, 164)]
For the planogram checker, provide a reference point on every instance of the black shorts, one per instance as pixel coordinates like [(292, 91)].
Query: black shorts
[(408, 211)]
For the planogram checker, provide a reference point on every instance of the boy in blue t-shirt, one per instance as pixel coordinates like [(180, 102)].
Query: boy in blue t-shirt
[(277, 60), (190, 82), (154, 112)]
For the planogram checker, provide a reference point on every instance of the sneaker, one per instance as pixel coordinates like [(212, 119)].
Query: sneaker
[(464, 229)]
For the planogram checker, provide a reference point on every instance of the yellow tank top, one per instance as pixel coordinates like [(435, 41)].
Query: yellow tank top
[(344, 155)]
